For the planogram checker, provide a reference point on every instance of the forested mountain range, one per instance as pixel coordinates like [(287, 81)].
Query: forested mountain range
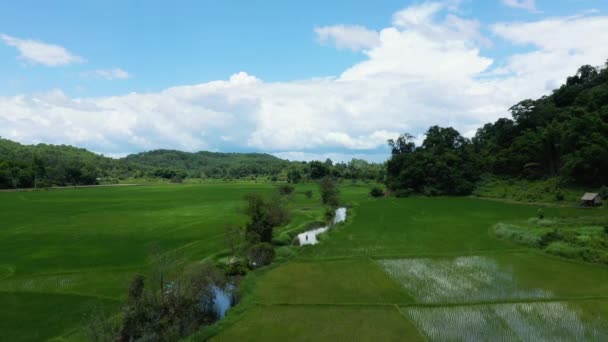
[(42, 165), (563, 135)]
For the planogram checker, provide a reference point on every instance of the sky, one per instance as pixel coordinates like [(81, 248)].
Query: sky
[(302, 80)]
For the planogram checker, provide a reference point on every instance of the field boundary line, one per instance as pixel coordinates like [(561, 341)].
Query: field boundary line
[(402, 314), (437, 305), (415, 256), (73, 294)]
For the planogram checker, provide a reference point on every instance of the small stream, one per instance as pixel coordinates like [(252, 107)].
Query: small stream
[(310, 237), (222, 300)]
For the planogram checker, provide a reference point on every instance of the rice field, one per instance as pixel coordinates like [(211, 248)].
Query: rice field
[(547, 321), (397, 269), (459, 280)]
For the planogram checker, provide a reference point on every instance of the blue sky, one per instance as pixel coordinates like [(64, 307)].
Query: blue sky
[(299, 79)]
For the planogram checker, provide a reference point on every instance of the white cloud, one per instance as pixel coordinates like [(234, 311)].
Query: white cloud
[(349, 37), (419, 73), (529, 5), (560, 47), (37, 52), (112, 74)]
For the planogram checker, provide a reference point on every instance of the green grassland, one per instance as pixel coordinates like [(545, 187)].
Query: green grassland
[(394, 266), (450, 268), (65, 250)]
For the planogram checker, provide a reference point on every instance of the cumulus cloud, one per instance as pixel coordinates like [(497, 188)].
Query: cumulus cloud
[(37, 52), (349, 37), (529, 5), (111, 74), (419, 72), (559, 47)]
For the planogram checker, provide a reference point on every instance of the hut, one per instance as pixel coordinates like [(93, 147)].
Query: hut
[(591, 199)]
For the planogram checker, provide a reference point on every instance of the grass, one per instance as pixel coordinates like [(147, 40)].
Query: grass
[(458, 280), (582, 238), (321, 323), (323, 282), (394, 266), (549, 191), (423, 226), (64, 248), (550, 321), (41, 316), (449, 266)]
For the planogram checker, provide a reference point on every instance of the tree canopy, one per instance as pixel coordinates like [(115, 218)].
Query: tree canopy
[(562, 135)]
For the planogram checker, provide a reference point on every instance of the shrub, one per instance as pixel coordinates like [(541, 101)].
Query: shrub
[(285, 190), (235, 268), (550, 237), (329, 215), (541, 214), (308, 193), (559, 196), (260, 254), (376, 192), (516, 234), (604, 192)]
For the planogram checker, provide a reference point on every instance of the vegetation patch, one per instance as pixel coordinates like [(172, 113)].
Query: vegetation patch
[(460, 280), (582, 238), (343, 281), (550, 321), (321, 323)]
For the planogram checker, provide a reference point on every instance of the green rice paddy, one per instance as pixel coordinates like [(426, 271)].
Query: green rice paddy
[(398, 269)]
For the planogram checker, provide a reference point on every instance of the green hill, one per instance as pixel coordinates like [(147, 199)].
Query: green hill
[(209, 164)]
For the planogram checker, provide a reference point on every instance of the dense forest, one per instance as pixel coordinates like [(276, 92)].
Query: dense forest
[(27, 166), (563, 135)]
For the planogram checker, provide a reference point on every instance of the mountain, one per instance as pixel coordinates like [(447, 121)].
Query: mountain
[(210, 164)]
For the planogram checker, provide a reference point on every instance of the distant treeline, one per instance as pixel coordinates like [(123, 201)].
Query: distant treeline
[(564, 135), (27, 166)]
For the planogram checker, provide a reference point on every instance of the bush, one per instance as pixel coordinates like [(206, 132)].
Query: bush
[(260, 254), (541, 214), (308, 193), (235, 268), (550, 237), (285, 190), (376, 192), (329, 215), (516, 234), (604, 192), (559, 196)]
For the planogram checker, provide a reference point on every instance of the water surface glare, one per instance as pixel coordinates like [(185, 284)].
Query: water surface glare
[(310, 237)]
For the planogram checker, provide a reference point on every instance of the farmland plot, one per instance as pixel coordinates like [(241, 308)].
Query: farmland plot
[(460, 280), (549, 321)]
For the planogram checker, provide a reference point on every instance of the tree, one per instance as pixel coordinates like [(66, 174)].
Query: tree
[(329, 191), (294, 175), (318, 170), (265, 215), (233, 237), (445, 163), (403, 145)]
